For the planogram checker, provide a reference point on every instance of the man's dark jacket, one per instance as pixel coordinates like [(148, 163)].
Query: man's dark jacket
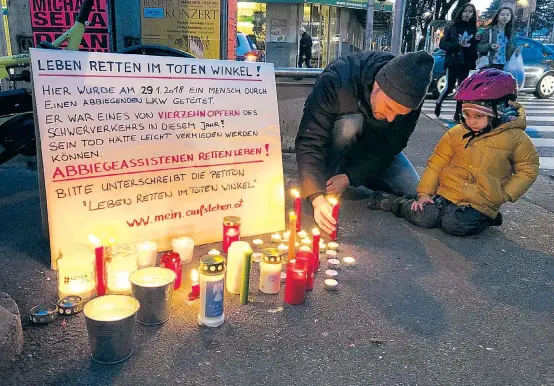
[(343, 89), (306, 45)]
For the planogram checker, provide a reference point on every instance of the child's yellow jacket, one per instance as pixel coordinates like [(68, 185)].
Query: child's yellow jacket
[(494, 168)]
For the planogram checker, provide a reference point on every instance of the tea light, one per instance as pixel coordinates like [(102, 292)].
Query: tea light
[(331, 254), (256, 257), (214, 252), (302, 234), (283, 248), (184, 247), (147, 253), (331, 274), (286, 236), (276, 238), (258, 243), (331, 285), (333, 263), (349, 261), (322, 247), (297, 245), (305, 248), (333, 246), (306, 241)]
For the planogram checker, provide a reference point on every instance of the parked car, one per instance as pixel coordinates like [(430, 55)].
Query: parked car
[(246, 49), (538, 61)]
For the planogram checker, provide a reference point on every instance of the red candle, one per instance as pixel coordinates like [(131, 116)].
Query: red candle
[(306, 260), (295, 284), (316, 237), (195, 286), (231, 231), (172, 260), (99, 254), (334, 202), (297, 209)]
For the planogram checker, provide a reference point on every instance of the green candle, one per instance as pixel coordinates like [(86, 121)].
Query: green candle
[(245, 280)]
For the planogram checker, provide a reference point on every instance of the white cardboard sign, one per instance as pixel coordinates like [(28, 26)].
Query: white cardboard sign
[(139, 148)]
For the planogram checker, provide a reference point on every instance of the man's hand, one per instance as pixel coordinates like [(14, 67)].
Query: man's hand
[(323, 214), (337, 184), (422, 200)]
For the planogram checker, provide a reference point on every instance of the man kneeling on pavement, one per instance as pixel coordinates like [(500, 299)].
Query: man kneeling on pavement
[(356, 122)]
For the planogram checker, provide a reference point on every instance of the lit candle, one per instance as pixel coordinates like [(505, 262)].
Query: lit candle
[(331, 254), (259, 243), (306, 241), (172, 260), (333, 246), (147, 253), (348, 261), (257, 257), (302, 234), (333, 201), (283, 248), (214, 252), (286, 236), (316, 237), (153, 288), (331, 285), (184, 246), (76, 272), (297, 209), (333, 264), (296, 284), (322, 247), (195, 286), (306, 261), (270, 271), (292, 238), (121, 262), (231, 231), (276, 238), (99, 252), (331, 274), (305, 248)]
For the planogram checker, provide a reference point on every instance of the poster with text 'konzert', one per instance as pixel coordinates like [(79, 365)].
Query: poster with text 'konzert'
[(139, 148)]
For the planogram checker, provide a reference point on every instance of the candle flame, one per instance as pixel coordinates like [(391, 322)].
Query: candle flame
[(94, 240), (332, 200), (194, 275), (292, 214), (315, 231), (295, 193), (112, 242)]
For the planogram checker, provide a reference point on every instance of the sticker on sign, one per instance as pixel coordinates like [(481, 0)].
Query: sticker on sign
[(141, 148)]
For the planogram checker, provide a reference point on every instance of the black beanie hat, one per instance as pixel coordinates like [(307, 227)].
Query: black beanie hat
[(406, 78)]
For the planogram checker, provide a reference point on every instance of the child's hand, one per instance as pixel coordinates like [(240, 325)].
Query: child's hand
[(423, 199)]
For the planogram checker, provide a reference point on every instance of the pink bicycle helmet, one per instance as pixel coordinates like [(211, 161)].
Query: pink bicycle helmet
[(489, 84)]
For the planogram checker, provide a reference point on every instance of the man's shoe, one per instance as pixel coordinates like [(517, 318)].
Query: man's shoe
[(438, 109)]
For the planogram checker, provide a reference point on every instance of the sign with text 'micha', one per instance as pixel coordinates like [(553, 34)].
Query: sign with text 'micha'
[(142, 148), (51, 18)]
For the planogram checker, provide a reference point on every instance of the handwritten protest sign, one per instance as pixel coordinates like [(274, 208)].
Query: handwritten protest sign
[(139, 147)]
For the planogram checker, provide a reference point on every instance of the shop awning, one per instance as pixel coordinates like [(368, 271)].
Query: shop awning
[(385, 6)]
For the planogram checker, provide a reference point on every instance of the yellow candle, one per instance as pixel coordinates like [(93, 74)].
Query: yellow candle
[(292, 237)]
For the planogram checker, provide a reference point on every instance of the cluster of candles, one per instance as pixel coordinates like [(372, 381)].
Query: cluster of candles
[(107, 270)]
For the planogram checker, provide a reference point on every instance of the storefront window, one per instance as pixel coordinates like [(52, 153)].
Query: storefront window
[(334, 33), (251, 20)]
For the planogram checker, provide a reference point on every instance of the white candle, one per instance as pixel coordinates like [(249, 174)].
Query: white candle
[(302, 234), (305, 248), (331, 274), (333, 264), (214, 252), (276, 238), (322, 247), (306, 241), (184, 246), (152, 277), (286, 236), (111, 308), (331, 254), (235, 261), (283, 247), (331, 284), (147, 253), (348, 261), (258, 243), (333, 246)]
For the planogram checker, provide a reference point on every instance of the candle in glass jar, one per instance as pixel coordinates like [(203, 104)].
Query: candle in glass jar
[(335, 212), (297, 208), (270, 271), (292, 238), (147, 253), (295, 284), (306, 260), (121, 262), (184, 246), (231, 231), (76, 272), (212, 291)]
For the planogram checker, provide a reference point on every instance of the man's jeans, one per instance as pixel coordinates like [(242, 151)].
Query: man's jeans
[(399, 178)]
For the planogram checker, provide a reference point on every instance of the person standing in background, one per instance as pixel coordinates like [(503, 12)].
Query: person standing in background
[(498, 41), (305, 53), (460, 45)]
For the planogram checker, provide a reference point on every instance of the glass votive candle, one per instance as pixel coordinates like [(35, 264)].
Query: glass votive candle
[(121, 262), (147, 253), (172, 261), (184, 246), (295, 284), (231, 231)]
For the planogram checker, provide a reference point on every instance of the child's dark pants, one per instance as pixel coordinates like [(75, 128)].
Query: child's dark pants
[(452, 219)]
